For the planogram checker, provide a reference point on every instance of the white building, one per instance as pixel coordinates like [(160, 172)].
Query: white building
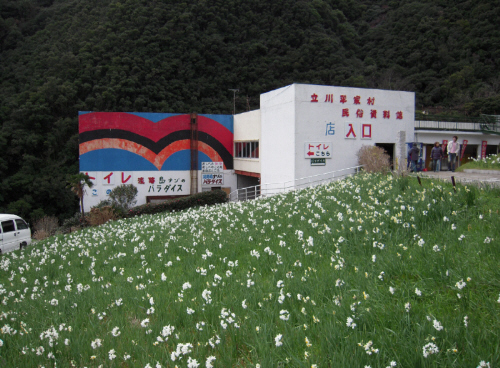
[(304, 130)]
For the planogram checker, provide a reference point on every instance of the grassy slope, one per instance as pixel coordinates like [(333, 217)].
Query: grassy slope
[(298, 265), (488, 163)]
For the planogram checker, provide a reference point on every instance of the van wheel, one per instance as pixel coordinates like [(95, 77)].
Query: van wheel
[(22, 245)]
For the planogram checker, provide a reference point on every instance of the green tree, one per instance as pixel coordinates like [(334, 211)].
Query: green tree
[(123, 197), (77, 185)]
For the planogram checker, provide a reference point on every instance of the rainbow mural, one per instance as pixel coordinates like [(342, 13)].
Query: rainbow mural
[(127, 141)]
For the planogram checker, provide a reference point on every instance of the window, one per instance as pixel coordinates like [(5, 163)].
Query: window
[(21, 225), (246, 149), (8, 226)]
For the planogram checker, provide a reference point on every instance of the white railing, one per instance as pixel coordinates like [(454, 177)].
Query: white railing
[(457, 126), (263, 190)]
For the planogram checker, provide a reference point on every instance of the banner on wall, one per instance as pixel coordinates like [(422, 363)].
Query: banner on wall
[(212, 167), (445, 147), (212, 179), (484, 144), (463, 148)]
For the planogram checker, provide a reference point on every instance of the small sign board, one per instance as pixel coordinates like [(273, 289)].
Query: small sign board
[(318, 150), (212, 179), (212, 167), (318, 162)]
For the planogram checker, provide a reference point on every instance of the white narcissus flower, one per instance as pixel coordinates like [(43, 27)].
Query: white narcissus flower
[(429, 349), (277, 340)]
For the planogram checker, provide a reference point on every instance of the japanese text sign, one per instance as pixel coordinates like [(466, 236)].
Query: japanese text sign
[(212, 179), (212, 167), (318, 149)]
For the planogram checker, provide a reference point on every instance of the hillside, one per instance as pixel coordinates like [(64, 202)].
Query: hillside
[(59, 57), (370, 271)]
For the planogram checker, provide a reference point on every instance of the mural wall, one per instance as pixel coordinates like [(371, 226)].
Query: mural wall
[(149, 150)]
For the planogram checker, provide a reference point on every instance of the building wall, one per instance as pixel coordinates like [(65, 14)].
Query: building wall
[(345, 119), (473, 148), (277, 146), (473, 138), (247, 127), (300, 122), (151, 151)]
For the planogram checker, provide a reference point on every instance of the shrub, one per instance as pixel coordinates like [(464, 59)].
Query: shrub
[(103, 203), (76, 222), (196, 200), (373, 159), (99, 216), (45, 227), (123, 197)]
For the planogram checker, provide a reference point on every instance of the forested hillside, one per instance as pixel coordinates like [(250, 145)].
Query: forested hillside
[(59, 57)]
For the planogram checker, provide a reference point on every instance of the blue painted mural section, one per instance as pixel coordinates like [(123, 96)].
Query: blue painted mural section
[(120, 160)]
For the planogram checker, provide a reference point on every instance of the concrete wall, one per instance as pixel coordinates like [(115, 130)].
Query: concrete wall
[(324, 115), (247, 164), (277, 146), (247, 127)]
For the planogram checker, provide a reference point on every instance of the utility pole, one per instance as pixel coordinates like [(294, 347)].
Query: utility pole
[(234, 99)]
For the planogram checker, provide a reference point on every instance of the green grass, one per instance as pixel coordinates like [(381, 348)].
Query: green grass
[(488, 163), (230, 279)]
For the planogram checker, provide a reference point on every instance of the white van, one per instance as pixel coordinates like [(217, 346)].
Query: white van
[(14, 233)]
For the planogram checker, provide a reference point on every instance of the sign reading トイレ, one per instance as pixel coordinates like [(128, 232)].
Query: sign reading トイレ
[(318, 150)]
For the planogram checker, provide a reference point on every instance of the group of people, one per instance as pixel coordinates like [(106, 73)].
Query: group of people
[(436, 155)]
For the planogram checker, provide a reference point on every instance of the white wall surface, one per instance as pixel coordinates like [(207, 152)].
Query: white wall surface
[(312, 119), (247, 126), (277, 145), (247, 164)]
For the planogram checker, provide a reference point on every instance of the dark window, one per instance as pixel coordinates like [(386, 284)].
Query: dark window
[(246, 149), (8, 226), (21, 225)]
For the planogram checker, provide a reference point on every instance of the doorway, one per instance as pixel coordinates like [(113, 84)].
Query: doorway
[(389, 149)]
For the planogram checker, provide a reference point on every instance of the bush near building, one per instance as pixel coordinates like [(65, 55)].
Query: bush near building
[(373, 159)]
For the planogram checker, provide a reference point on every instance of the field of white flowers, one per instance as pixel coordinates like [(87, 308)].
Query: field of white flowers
[(371, 271)]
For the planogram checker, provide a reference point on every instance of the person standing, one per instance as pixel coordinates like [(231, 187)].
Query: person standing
[(436, 155), (452, 149), (414, 157)]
